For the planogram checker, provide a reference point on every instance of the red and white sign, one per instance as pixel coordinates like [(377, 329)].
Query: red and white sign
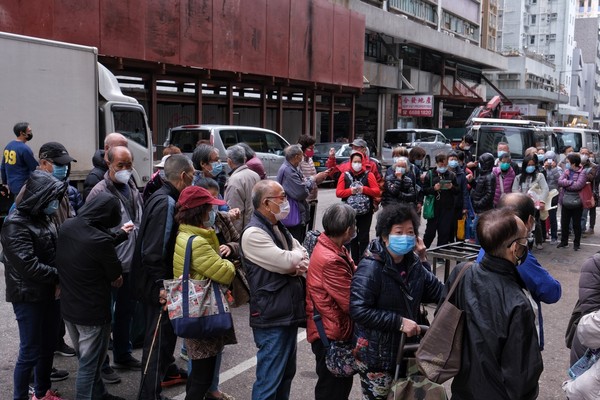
[(415, 106)]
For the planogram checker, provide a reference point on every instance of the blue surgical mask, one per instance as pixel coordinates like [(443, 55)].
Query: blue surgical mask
[(530, 169), (210, 222), (400, 170), (504, 166), (418, 163), (59, 171), (567, 165), (441, 170), (453, 163), (51, 207), (401, 244), (217, 168), (501, 153), (540, 157)]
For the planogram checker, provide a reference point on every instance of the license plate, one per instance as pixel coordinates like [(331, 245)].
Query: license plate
[(317, 163)]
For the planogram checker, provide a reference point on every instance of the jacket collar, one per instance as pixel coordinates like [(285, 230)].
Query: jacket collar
[(501, 266), (343, 252)]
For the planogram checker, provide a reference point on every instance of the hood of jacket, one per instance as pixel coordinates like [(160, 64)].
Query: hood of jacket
[(103, 210), (486, 162), (98, 160), (40, 189)]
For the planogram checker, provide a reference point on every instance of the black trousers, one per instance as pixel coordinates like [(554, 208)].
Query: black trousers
[(162, 352), (200, 378), (359, 244), (329, 387), (443, 223), (568, 216)]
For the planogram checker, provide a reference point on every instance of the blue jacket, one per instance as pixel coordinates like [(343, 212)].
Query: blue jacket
[(381, 295), (295, 186), (542, 286)]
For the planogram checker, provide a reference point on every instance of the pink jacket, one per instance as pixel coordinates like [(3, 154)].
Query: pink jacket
[(504, 182)]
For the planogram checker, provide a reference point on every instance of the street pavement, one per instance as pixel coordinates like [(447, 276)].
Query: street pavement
[(238, 367)]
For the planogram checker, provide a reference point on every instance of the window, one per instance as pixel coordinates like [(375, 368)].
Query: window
[(533, 19), (188, 139), (532, 39), (131, 124)]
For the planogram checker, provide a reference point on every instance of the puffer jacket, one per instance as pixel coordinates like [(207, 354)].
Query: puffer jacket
[(29, 242), (484, 186), (96, 174), (571, 181), (206, 261), (328, 287), (589, 298), (586, 386), (504, 182), (399, 190), (381, 295)]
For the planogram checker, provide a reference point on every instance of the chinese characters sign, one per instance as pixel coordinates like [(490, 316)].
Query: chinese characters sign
[(415, 106)]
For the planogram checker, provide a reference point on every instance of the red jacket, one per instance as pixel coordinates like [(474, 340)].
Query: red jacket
[(368, 164), (328, 285), (372, 189)]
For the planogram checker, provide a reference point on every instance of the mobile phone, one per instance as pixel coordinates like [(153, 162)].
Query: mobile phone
[(445, 184)]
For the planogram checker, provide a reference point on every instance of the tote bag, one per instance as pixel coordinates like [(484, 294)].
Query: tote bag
[(587, 196), (196, 308), (428, 202)]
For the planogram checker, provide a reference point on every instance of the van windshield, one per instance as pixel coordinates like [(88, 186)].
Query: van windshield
[(518, 139), (188, 139), (569, 138), (395, 137)]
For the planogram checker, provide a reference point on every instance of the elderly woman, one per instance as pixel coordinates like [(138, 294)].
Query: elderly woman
[(571, 182), (400, 185), (253, 162), (196, 216), (206, 161), (328, 289), (386, 291)]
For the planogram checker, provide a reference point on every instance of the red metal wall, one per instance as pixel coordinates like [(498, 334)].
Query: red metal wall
[(309, 40)]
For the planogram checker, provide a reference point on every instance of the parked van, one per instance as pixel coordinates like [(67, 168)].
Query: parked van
[(577, 138), (267, 144), (432, 141), (519, 134)]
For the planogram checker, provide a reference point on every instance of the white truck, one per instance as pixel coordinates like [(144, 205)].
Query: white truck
[(68, 97)]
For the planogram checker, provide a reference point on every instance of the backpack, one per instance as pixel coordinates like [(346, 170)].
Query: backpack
[(360, 202), (310, 241)]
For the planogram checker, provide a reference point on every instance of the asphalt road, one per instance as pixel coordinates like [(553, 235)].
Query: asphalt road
[(238, 367)]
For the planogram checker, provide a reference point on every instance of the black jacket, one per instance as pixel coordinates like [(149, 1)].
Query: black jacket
[(589, 298), (399, 190), (96, 174), (153, 256), (29, 242), (380, 298), (87, 261), (444, 198), (501, 358), (483, 187)]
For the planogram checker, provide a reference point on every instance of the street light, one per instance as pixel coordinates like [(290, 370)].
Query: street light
[(559, 90)]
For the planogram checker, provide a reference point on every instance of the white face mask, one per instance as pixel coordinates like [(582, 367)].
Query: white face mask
[(356, 166), (284, 210), (584, 158), (123, 175)]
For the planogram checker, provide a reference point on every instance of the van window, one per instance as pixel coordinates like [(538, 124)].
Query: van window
[(518, 139), (229, 138), (425, 137), (394, 137), (275, 144), (569, 138), (188, 139), (594, 143), (131, 124)]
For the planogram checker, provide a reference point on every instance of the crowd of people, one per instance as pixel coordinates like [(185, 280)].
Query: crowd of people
[(98, 262)]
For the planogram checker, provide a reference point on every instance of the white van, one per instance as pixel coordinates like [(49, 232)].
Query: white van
[(577, 138), (267, 144)]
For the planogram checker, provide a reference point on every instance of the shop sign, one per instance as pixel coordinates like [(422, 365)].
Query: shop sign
[(415, 105)]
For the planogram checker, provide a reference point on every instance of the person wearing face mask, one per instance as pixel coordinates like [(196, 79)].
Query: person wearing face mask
[(328, 290), (275, 263), (29, 246), (553, 173), (533, 183), (196, 216), (359, 188), (389, 284), (307, 167), (571, 182), (238, 189), (441, 183), (206, 160), (400, 186), (501, 349), (591, 172), (482, 193), (118, 182), (17, 159), (505, 176), (504, 150), (152, 263)]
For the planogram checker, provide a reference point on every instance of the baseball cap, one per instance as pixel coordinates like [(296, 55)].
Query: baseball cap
[(55, 152), (550, 155), (196, 196), (359, 143)]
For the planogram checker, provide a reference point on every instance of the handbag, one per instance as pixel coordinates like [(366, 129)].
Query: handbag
[(294, 217), (413, 386), (239, 287), (197, 308), (587, 196), (339, 356), (571, 200), (439, 354), (428, 202), (360, 202)]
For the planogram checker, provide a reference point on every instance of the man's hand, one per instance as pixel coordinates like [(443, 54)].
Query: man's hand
[(128, 226), (437, 186), (224, 250), (320, 177), (332, 152), (234, 213), (162, 298), (117, 283), (302, 267)]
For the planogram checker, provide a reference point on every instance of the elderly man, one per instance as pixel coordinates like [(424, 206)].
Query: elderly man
[(274, 262), (153, 263), (118, 182), (99, 161), (501, 350), (238, 190)]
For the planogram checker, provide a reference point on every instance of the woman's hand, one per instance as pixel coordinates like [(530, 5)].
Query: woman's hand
[(224, 250), (234, 213), (437, 186), (421, 250), (410, 327)]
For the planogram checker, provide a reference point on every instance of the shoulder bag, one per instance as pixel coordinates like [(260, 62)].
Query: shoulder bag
[(439, 354), (197, 308), (360, 202), (571, 200), (587, 196), (428, 202)]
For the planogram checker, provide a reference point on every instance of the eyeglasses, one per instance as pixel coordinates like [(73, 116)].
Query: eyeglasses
[(283, 197), (519, 243)]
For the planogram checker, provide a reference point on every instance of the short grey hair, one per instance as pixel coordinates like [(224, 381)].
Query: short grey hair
[(338, 218), (292, 151), (175, 165), (261, 190), (237, 155)]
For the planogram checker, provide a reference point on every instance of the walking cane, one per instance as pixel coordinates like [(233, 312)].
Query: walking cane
[(139, 396)]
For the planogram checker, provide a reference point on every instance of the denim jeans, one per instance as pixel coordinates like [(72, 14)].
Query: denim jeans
[(38, 332), (122, 318), (276, 362), (91, 344)]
